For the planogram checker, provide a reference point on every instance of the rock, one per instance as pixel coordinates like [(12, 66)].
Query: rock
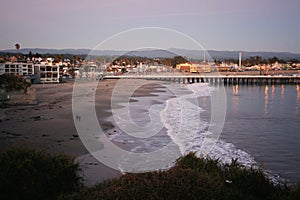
[(36, 118)]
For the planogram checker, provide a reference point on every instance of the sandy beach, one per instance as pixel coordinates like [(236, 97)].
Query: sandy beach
[(49, 124)]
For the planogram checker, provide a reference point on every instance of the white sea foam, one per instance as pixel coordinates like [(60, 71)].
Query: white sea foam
[(187, 128)]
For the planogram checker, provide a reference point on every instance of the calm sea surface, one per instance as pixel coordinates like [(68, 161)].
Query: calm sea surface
[(264, 121)]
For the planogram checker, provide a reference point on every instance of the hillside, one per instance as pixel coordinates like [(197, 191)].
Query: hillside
[(159, 53)]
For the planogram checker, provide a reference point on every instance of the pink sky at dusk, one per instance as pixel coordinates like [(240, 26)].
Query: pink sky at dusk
[(265, 25)]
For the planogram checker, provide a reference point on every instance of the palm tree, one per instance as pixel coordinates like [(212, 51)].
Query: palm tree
[(17, 47)]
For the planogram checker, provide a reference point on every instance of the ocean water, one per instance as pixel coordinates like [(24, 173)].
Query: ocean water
[(264, 121), (261, 127)]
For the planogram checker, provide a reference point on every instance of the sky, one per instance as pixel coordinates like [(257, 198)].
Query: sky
[(257, 25)]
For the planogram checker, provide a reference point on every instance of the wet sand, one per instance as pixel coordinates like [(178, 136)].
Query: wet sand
[(49, 125)]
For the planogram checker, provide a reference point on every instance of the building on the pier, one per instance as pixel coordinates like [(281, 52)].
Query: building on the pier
[(183, 67), (202, 67)]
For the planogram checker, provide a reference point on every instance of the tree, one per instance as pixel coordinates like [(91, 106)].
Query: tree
[(218, 62), (30, 55), (17, 47), (274, 59), (178, 60)]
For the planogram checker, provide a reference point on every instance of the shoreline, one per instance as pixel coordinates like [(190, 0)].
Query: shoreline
[(111, 130), (49, 124)]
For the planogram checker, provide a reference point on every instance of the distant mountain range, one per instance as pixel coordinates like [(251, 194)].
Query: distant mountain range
[(159, 53)]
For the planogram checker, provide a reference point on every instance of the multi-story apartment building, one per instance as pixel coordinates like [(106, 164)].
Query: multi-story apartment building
[(48, 73), (43, 73), (17, 68)]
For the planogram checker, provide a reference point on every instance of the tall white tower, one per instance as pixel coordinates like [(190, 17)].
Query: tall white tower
[(240, 59)]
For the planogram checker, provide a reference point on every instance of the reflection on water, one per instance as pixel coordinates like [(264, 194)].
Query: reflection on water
[(298, 92), (273, 90), (298, 98), (235, 98), (266, 98), (282, 91), (265, 122), (235, 89)]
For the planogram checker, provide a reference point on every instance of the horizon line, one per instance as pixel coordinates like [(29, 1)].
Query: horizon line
[(166, 49)]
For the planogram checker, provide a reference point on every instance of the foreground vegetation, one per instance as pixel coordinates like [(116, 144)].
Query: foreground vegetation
[(38, 175), (11, 82), (191, 178), (28, 174)]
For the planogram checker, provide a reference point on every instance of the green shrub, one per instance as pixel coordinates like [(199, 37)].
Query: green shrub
[(28, 174), (11, 82), (191, 178), (295, 193)]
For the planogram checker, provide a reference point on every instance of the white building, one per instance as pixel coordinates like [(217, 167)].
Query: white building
[(19, 69), (43, 73), (48, 73)]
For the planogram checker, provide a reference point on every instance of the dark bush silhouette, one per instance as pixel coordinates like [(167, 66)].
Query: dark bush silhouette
[(28, 174), (11, 82), (191, 178)]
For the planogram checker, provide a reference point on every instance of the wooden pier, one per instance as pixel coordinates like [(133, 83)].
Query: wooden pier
[(218, 79)]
